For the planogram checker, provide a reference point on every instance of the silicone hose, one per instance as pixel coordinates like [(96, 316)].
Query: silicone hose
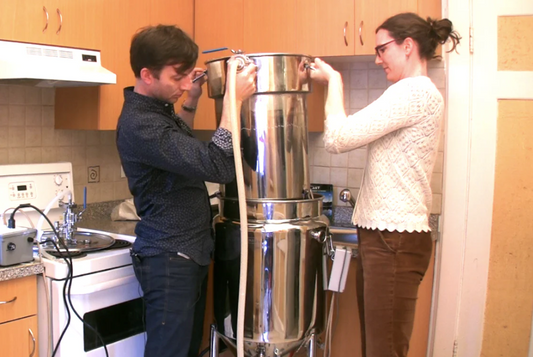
[(236, 138)]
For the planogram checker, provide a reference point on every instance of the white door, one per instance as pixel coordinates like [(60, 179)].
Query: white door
[(476, 88)]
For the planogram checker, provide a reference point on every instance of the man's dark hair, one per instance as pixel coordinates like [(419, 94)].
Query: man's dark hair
[(155, 47)]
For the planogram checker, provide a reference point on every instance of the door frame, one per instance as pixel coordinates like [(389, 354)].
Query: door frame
[(473, 88)]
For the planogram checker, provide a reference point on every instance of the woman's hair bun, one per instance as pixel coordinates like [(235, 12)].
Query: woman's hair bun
[(440, 29)]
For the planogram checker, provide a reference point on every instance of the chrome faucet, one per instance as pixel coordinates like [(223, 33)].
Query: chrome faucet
[(67, 228), (346, 196)]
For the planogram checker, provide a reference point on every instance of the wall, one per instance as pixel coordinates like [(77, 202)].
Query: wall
[(364, 82), (27, 135)]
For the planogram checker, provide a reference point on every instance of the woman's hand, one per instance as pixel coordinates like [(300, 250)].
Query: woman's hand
[(196, 89), (322, 72)]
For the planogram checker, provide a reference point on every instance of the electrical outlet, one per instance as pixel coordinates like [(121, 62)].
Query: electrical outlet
[(93, 174)]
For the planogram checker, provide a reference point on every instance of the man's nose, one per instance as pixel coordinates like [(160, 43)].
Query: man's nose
[(378, 60)]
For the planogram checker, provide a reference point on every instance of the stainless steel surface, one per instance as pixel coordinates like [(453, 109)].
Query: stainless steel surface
[(80, 241), (286, 236), (213, 342), (16, 245), (67, 227), (346, 196), (263, 211), (312, 346), (276, 73), (361, 33), (345, 39), (284, 295), (33, 341), (199, 76), (344, 236), (274, 136), (47, 18), (60, 22)]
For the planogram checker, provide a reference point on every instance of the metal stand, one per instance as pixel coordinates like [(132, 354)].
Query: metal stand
[(311, 348), (213, 345)]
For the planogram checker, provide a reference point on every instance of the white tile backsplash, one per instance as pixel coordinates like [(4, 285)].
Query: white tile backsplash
[(27, 135), (364, 82)]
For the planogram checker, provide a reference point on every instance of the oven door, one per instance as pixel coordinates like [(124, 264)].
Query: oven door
[(110, 301)]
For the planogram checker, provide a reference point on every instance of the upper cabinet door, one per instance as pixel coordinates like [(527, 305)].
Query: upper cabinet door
[(313, 27), (172, 12), (78, 23), (370, 14), (271, 26), (28, 21), (70, 23), (217, 24), (326, 27)]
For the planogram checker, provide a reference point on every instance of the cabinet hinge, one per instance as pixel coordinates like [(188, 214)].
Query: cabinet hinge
[(471, 40), (455, 347)]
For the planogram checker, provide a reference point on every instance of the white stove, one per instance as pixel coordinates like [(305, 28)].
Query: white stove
[(93, 261), (103, 291)]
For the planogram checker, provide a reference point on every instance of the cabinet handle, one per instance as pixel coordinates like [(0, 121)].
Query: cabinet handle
[(345, 27), (8, 302), (33, 340), (361, 33), (47, 18), (60, 22)]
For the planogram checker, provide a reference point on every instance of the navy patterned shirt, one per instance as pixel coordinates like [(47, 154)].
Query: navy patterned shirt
[(166, 167)]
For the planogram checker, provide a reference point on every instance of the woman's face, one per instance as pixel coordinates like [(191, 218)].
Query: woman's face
[(390, 56)]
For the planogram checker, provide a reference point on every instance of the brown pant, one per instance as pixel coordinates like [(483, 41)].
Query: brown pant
[(390, 267)]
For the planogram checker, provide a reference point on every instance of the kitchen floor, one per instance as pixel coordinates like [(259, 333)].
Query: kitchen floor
[(301, 353)]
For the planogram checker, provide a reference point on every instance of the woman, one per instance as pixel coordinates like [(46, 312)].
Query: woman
[(402, 130)]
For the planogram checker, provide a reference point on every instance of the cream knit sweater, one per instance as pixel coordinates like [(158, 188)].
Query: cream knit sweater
[(401, 129)]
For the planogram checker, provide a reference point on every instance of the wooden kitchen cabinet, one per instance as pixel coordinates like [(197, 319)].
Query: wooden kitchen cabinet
[(82, 23), (347, 335), (228, 24), (98, 108), (18, 317), (369, 15), (39, 22), (323, 27), (304, 27), (216, 24)]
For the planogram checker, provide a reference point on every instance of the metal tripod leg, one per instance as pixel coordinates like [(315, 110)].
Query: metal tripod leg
[(213, 345), (311, 348)]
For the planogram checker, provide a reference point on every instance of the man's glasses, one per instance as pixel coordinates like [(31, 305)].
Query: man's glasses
[(381, 48)]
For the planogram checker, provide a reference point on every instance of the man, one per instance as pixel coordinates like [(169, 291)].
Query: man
[(166, 167)]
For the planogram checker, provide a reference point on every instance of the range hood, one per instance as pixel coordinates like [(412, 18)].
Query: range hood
[(51, 66)]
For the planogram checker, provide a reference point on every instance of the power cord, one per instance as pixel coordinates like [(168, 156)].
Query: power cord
[(68, 280)]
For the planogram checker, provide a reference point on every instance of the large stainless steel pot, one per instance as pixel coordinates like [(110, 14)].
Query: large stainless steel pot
[(284, 291), (274, 125)]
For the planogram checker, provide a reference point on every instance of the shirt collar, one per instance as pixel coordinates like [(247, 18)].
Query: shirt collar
[(147, 102)]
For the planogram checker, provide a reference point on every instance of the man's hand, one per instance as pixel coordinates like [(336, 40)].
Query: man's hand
[(196, 90)]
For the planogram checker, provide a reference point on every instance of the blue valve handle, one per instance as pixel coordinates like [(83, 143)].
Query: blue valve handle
[(215, 50)]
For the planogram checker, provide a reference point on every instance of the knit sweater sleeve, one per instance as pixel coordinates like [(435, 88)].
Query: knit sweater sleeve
[(403, 104)]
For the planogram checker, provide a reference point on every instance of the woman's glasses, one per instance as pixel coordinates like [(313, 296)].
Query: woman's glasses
[(381, 48)]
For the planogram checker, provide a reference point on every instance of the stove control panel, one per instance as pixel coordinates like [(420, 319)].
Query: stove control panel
[(21, 191), (36, 184)]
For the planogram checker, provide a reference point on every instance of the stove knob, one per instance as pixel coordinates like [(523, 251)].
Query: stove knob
[(58, 179), (11, 246)]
